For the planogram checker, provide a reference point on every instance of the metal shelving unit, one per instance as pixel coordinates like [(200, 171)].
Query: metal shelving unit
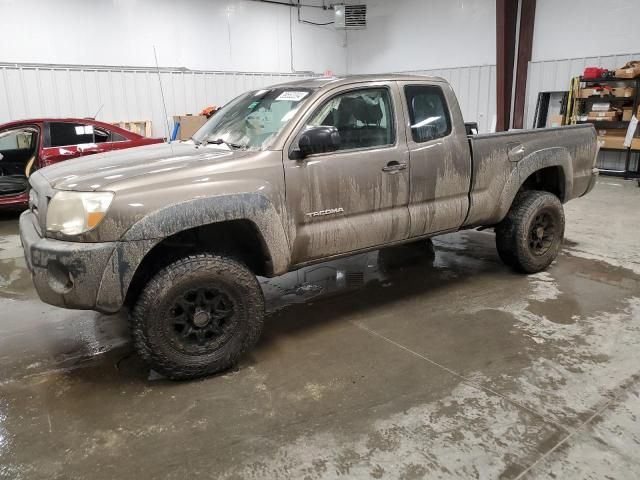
[(580, 104)]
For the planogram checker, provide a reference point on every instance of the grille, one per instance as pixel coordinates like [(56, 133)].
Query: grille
[(350, 17), (355, 279)]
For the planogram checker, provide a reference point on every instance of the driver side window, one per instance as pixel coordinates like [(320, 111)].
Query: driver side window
[(364, 118)]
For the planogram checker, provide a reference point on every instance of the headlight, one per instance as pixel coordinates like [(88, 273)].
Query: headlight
[(73, 213)]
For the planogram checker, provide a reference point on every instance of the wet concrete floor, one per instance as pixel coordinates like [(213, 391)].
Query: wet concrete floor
[(402, 363)]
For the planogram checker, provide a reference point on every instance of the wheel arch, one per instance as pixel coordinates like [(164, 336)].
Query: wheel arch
[(549, 169), (245, 226), (239, 239)]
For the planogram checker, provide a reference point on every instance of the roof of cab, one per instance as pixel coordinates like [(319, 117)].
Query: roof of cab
[(318, 82)]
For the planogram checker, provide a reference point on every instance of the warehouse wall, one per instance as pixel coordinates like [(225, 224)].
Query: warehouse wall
[(404, 35), (125, 94), (218, 35), (78, 55), (579, 28), (573, 34), (555, 75)]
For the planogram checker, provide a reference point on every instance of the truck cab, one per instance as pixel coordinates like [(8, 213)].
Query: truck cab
[(404, 142)]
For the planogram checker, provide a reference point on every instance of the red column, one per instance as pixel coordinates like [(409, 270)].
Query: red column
[(525, 45), (506, 18)]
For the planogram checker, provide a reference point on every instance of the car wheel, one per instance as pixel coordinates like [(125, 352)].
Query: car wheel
[(530, 236), (198, 316)]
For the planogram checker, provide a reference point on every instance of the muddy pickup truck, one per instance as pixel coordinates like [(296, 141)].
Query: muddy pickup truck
[(278, 179)]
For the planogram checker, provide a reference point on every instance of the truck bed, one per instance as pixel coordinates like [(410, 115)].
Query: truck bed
[(502, 161)]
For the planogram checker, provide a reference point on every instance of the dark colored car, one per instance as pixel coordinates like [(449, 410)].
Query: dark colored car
[(28, 145)]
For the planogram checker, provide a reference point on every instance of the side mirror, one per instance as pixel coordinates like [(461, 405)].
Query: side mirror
[(321, 139)]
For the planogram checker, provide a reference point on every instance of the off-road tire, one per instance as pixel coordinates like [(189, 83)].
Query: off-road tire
[(152, 314), (514, 233)]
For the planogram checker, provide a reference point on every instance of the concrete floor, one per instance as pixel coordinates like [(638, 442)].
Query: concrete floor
[(394, 364)]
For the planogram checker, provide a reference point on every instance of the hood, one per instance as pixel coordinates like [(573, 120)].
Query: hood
[(97, 172)]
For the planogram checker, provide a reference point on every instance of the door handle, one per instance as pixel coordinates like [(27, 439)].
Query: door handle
[(394, 167)]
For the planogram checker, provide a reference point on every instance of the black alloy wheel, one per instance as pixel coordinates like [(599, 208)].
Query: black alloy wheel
[(542, 233), (200, 318)]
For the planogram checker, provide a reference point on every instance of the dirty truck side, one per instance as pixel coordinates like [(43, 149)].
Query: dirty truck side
[(280, 178)]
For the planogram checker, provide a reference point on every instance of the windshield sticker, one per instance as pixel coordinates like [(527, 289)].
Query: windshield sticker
[(253, 105), (292, 96)]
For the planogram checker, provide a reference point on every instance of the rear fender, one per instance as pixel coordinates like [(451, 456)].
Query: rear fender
[(548, 157)]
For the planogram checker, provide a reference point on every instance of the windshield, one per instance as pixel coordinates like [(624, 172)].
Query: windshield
[(252, 120)]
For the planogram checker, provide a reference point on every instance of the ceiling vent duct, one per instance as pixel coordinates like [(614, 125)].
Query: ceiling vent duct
[(350, 17)]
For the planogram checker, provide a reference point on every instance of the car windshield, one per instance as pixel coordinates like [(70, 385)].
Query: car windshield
[(252, 120)]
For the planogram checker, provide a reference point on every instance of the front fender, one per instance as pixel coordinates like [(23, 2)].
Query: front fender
[(160, 224), (198, 212), (548, 157)]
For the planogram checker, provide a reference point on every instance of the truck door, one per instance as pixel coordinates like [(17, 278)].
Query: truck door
[(440, 158), (354, 198)]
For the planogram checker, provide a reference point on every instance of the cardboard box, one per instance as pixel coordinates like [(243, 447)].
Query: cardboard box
[(623, 92), (611, 142), (590, 92), (555, 120), (630, 70), (614, 138), (609, 116), (612, 132), (627, 113), (189, 124)]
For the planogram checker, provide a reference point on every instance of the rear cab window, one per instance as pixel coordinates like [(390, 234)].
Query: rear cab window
[(428, 112)]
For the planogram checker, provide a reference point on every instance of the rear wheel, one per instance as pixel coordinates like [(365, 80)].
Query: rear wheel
[(530, 236), (197, 316)]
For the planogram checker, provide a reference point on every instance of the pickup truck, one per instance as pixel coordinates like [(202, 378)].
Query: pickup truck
[(280, 178)]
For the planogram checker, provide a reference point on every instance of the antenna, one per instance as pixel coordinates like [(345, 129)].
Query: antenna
[(164, 104), (99, 110)]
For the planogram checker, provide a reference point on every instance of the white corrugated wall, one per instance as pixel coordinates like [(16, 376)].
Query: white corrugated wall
[(555, 75), (129, 94), (126, 94)]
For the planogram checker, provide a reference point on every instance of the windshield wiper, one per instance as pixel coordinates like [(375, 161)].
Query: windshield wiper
[(220, 141)]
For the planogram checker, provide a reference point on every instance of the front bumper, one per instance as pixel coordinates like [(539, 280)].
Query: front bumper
[(65, 274)]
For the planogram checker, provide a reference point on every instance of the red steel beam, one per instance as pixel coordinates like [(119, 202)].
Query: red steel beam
[(506, 18), (525, 45)]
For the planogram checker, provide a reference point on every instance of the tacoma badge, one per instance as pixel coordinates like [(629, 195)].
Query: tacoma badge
[(330, 211)]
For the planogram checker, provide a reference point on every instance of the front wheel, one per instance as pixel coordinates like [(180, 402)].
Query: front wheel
[(530, 236), (197, 316)]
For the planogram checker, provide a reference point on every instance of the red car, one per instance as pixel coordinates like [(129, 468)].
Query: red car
[(28, 145)]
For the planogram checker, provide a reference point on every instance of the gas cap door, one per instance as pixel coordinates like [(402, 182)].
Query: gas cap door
[(515, 151)]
